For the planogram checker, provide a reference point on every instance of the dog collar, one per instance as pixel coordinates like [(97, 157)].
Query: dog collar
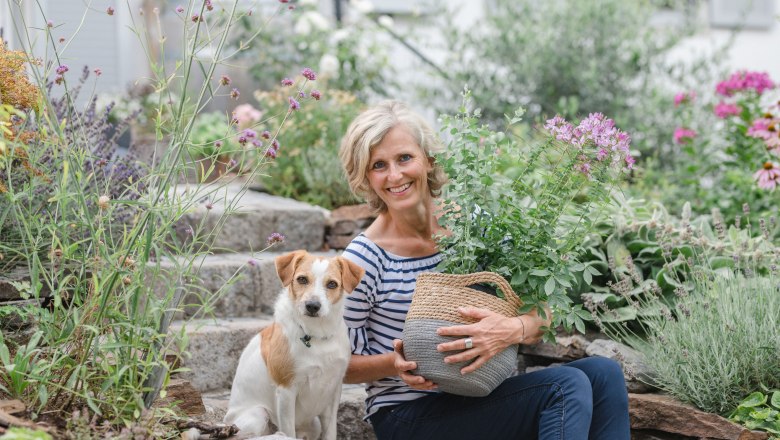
[(307, 338)]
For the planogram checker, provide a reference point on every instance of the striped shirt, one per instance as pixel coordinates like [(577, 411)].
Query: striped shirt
[(376, 310)]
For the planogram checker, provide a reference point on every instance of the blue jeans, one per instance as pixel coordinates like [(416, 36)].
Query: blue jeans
[(584, 399)]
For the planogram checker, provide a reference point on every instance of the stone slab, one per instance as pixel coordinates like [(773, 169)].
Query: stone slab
[(663, 413), (251, 217), (214, 348), (235, 285)]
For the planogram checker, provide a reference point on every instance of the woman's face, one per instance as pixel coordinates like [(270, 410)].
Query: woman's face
[(398, 170)]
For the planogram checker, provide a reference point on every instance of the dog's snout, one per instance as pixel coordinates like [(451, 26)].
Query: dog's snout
[(313, 306)]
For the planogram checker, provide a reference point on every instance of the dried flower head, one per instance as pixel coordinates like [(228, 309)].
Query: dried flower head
[(103, 201), (15, 89)]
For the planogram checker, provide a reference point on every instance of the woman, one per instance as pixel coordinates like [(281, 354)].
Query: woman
[(387, 154)]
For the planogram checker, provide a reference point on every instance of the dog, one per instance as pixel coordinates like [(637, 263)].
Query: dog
[(290, 374)]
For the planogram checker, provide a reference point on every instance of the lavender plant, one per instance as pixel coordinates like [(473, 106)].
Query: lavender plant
[(98, 236), (529, 228)]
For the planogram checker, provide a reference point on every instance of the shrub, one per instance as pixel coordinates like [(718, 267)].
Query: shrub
[(720, 344), (308, 169)]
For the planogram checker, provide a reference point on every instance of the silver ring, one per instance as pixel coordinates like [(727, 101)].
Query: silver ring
[(469, 343)]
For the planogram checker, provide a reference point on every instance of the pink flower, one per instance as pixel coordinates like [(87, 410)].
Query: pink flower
[(316, 94), (209, 6), (684, 97), (49, 23), (196, 18), (294, 105), (62, 69), (266, 134), (225, 80), (683, 135), (309, 74), (745, 80), (767, 177), (110, 11), (275, 238), (723, 110), (246, 115), (98, 72), (764, 128), (250, 134), (179, 9), (235, 93), (287, 82)]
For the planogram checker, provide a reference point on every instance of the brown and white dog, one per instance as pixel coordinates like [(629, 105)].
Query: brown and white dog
[(290, 374)]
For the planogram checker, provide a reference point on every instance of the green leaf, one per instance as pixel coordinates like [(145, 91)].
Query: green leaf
[(753, 400), (776, 399), (587, 277), (540, 272), (621, 314), (549, 286)]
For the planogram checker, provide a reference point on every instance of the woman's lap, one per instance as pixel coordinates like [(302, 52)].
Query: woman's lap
[(551, 403)]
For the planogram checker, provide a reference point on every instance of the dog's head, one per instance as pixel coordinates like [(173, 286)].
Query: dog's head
[(315, 284)]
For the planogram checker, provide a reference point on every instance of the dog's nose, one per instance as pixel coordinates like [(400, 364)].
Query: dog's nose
[(312, 307)]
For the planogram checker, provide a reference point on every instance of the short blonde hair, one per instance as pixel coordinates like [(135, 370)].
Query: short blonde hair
[(367, 131)]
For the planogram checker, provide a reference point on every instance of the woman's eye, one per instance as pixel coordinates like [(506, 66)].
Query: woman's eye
[(302, 280), (332, 285), (406, 157), (378, 165)]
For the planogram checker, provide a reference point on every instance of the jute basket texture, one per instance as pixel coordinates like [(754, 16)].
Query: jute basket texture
[(435, 304)]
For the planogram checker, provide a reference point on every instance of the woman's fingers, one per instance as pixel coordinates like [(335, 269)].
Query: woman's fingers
[(404, 367)]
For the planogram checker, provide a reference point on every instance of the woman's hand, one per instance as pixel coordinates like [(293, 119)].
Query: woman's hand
[(490, 336), (403, 367)]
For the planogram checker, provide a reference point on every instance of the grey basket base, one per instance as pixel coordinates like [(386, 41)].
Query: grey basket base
[(420, 341)]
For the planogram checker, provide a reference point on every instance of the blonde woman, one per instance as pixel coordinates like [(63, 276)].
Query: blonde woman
[(387, 154)]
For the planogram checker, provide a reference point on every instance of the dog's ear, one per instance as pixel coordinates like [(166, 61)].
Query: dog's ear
[(285, 265), (351, 274)]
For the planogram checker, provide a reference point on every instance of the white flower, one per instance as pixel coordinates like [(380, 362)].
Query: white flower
[(329, 66), (308, 2), (340, 35), (386, 21), (362, 6), (311, 20)]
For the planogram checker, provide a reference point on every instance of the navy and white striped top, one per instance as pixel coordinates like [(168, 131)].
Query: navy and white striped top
[(376, 310)]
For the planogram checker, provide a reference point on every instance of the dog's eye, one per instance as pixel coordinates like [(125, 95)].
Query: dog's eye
[(302, 280), (332, 285)]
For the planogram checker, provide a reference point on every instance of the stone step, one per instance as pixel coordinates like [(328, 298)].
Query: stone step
[(351, 412), (252, 292), (214, 346), (253, 217)]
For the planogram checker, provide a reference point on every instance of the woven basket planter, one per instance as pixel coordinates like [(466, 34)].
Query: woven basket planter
[(435, 304)]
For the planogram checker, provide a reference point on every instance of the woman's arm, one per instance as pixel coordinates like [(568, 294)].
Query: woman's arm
[(368, 368)]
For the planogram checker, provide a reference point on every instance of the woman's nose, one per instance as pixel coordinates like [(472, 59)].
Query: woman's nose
[(394, 172)]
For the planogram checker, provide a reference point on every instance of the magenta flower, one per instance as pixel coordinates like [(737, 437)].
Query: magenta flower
[(242, 140), (209, 6), (225, 80), (595, 135), (98, 72), (275, 238), (683, 135), (684, 98), (767, 177), (764, 128), (723, 110), (287, 82), (110, 11), (309, 74), (180, 9), (250, 134), (294, 105), (745, 80), (270, 153), (62, 69), (316, 94), (235, 94), (284, 1)]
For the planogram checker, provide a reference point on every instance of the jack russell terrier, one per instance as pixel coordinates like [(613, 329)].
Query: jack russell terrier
[(290, 374)]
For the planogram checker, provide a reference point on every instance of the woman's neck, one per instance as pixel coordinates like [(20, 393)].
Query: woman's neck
[(407, 233)]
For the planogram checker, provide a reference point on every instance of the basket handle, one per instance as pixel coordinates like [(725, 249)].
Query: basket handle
[(466, 280)]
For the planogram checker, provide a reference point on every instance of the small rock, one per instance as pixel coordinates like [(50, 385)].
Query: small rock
[(634, 370), (566, 348)]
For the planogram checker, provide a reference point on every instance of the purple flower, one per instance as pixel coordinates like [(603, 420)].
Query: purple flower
[(316, 94), (301, 94), (287, 82), (275, 238), (62, 69), (179, 9), (257, 143), (270, 153), (196, 18), (683, 135), (250, 134), (110, 11), (252, 262), (232, 163), (284, 1), (745, 80), (218, 144), (265, 134), (294, 105), (49, 23), (723, 110), (684, 97), (235, 93), (242, 140), (275, 144), (209, 6), (308, 74), (630, 162)]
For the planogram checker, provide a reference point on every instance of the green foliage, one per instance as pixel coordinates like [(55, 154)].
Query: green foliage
[(103, 250), (760, 411), (720, 344), (307, 167), (643, 252), (210, 128), (347, 56), (569, 58), (24, 434), (528, 227)]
